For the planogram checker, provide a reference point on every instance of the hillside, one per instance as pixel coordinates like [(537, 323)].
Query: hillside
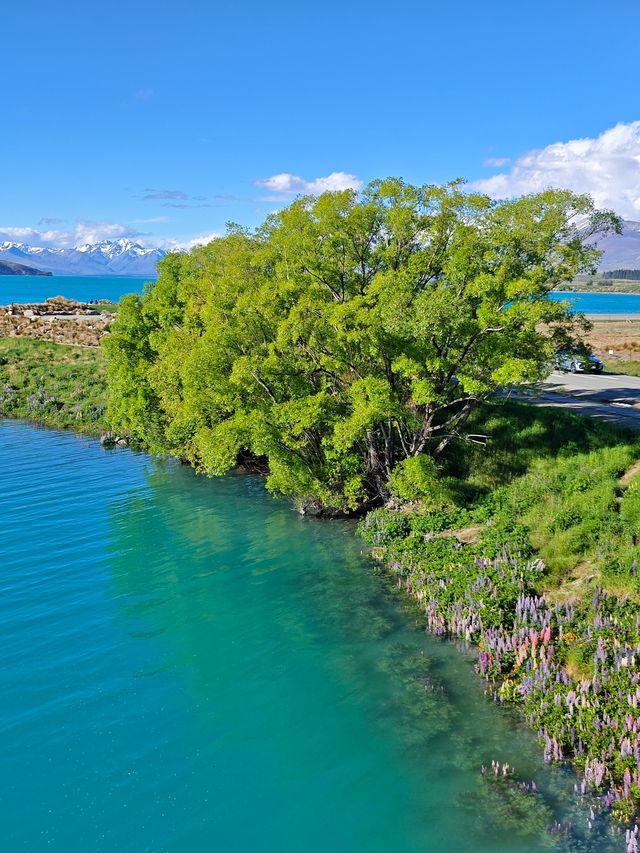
[(621, 251), (599, 284), (11, 268)]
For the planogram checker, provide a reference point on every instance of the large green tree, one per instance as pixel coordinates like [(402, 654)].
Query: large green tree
[(349, 338)]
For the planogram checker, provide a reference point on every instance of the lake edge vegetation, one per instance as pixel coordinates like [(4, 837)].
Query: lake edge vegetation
[(57, 385)]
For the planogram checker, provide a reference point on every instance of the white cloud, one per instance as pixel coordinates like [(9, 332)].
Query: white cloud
[(187, 242), (286, 185), (84, 231), (27, 235), (497, 162), (607, 167), (89, 231)]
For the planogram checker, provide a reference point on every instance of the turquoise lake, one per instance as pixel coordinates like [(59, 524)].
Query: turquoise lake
[(29, 288), (188, 665), (37, 288), (602, 303)]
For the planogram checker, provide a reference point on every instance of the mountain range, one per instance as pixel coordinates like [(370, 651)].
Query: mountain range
[(110, 257), (621, 251), (124, 257)]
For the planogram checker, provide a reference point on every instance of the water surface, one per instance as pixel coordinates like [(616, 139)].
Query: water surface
[(187, 665), (37, 288), (601, 303)]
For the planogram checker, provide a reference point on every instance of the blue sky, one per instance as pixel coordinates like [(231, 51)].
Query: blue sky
[(160, 119)]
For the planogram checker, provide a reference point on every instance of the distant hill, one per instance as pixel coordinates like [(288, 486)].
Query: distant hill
[(11, 268), (110, 257)]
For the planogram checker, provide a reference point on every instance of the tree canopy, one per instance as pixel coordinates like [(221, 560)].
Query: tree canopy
[(348, 339)]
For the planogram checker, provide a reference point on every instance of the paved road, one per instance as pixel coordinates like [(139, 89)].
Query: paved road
[(606, 396), (603, 386)]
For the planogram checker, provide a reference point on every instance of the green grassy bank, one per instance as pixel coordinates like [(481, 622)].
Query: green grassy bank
[(54, 384)]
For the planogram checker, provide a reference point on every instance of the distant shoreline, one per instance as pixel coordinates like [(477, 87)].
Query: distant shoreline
[(597, 292), (612, 316)]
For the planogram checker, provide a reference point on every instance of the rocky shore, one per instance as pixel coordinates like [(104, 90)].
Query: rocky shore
[(59, 320)]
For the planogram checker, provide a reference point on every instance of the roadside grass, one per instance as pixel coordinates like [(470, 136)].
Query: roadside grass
[(577, 515), (511, 437), (55, 384), (624, 368)]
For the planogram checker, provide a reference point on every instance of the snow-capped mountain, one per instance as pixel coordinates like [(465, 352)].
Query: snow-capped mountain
[(621, 251), (110, 257), (124, 257)]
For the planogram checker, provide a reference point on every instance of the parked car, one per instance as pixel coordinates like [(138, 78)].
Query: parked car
[(577, 362)]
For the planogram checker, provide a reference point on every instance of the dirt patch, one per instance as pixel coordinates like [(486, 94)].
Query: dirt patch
[(575, 584), (629, 474), (621, 335), (466, 535)]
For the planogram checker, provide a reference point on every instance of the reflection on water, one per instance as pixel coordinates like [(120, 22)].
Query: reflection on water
[(189, 665)]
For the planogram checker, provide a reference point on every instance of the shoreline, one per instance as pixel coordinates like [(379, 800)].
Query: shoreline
[(605, 292), (610, 316)]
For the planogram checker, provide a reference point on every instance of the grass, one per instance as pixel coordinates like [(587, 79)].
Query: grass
[(625, 368), (516, 437), (560, 477), (555, 477), (107, 307), (55, 384)]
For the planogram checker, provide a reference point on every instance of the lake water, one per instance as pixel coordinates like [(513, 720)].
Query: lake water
[(187, 665), (602, 303), (30, 288), (37, 288)]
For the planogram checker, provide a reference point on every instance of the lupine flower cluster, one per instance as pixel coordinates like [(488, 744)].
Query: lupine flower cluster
[(572, 666)]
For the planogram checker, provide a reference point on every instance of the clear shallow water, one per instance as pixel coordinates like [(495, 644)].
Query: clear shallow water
[(37, 288), (186, 665), (601, 303)]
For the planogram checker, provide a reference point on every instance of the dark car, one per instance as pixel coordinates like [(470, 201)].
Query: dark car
[(577, 362)]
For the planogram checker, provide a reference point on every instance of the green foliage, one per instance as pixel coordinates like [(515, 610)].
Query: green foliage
[(416, 478), (630, 510), (380, 527), (349, 334), (54, 384), (571, 507)]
